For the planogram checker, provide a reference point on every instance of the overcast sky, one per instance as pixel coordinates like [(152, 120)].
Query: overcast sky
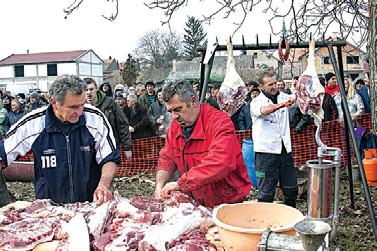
[(39, 26)]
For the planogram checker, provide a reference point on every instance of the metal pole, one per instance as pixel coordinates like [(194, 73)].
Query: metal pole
[(347, 115), (347, 128), (207, 74)]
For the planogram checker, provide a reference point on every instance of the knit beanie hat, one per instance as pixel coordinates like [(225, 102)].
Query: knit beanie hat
[(329, 75)]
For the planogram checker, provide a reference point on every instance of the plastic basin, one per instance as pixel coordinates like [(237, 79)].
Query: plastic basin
[(241, 225)]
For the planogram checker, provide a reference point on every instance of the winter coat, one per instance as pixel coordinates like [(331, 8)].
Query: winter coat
[(364, 94), (67, 166), (11, 118), (210, 163), (117, 119), (144, 101), (154, 112), (244, 118), (138, 119), (355, 105), (329, 108)]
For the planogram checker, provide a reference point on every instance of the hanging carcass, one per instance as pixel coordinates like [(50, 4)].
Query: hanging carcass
[(232, 92), (309, 91)]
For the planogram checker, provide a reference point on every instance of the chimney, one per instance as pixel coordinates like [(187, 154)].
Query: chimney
[(27, 51), (109, 57), (174, 64)]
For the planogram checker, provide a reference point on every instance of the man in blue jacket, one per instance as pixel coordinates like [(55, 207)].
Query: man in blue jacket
[(75, 154)]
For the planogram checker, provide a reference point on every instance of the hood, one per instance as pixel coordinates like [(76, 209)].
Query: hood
[(109, 92), (357, 80)]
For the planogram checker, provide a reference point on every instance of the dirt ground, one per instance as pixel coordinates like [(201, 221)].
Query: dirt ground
[(354, 230)]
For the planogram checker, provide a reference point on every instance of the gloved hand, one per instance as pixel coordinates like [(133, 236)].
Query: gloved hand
[(101, 195), (128, 154)]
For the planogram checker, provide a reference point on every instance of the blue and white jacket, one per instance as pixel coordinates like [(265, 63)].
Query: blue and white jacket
[(67, 166)]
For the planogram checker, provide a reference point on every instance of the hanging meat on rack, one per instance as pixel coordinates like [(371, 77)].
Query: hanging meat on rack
[(309, 91), (232, 92)]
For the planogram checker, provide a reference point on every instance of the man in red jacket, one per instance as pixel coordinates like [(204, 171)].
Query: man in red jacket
[(202, 144)]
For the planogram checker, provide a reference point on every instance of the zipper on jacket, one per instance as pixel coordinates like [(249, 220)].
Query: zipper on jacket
[(70, 169), (185, 163)]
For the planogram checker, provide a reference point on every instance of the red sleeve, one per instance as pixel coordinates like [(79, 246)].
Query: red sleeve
[(220, 160)]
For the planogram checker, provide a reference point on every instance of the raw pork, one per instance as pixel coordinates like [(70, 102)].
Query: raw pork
[(309, 91), (232, 92)]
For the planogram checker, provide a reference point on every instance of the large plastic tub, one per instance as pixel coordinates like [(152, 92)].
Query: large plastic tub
[(241, 225)]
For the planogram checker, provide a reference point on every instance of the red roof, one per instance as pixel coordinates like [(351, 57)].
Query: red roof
[(43, 57)]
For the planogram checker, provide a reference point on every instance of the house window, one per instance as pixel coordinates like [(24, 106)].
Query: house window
[(19, 71), (326, 60), (354, 75), (52, 70), (352, 59)]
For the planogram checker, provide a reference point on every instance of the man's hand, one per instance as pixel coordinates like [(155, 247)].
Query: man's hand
[(161, 128), (128, 154), (171, 186), (101, 195), (160, 120), (131, 129)]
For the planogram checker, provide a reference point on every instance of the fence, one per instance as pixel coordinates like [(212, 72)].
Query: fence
[(145, 151)]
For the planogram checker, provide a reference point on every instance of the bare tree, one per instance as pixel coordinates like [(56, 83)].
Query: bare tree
[(372, 51), (157, 49), (350, 17)]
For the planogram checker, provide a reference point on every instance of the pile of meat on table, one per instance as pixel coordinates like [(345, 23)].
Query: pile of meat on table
[(139, 223)]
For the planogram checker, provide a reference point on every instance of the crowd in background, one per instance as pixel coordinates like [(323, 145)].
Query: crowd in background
[(143, 107)]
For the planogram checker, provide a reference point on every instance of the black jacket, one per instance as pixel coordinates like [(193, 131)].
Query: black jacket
[(138, 119), (116, 118), (244, 118)]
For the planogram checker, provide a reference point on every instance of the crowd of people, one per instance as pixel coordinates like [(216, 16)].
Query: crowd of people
[(201, 145)]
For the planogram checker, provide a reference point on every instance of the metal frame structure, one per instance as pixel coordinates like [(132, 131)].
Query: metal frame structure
[(208, 54)]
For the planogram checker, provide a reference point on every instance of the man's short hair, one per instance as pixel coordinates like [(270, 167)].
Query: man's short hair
[(89, 81), (63, 84), (182, 88), (266, 74)]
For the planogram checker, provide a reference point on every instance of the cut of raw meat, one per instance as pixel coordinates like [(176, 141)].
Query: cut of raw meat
[(148, 203), (194, 240), (309, 91), (27, 233), (232, 93)]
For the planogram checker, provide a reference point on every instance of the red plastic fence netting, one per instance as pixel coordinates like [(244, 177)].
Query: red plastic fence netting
[(145, 152)]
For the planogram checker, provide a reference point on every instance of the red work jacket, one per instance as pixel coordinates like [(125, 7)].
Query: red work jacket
[(210, 162)]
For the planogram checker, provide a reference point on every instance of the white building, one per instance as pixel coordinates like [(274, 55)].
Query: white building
[(25, 72)]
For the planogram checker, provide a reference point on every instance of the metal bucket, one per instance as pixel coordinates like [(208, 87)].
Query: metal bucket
[(319, 188)]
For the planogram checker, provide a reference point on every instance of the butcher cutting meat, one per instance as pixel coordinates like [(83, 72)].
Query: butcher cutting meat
[(75, 157), (200, 143)]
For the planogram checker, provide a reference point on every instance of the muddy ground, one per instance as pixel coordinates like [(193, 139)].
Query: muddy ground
[(354, 231)]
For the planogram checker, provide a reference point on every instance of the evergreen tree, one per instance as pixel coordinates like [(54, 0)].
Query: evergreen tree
[(193, 38), (131, 70)]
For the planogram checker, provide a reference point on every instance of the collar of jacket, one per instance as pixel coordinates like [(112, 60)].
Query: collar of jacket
[(198, 132), (52, 127), (101, 96)]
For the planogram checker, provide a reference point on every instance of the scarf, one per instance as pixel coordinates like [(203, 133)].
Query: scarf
[(332, 89)]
